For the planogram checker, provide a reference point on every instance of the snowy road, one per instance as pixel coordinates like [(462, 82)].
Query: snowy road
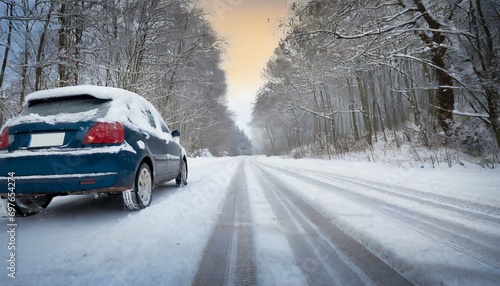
[(270, 221)]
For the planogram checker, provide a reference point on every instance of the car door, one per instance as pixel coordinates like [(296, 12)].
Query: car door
[(157, 145), (174, 162), (173, 151)]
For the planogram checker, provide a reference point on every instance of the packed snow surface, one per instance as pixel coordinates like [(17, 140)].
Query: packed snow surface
[(431, 226)]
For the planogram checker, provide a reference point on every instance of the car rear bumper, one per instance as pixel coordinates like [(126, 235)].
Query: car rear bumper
[(106, 169), (54, 184)]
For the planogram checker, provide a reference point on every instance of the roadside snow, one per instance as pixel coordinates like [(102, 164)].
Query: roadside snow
[(473, 183)]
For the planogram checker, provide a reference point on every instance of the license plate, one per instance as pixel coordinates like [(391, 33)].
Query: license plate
[(47, 140)]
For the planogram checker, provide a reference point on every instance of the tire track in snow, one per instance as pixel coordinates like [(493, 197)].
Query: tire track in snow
[(479, 210), (324, 253), (228, 256), (467, 209), (476, 244)]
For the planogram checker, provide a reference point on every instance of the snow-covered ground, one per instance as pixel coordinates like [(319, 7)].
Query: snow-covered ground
[(272, 221)]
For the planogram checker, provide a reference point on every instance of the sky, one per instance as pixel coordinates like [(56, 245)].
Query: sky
[(250, 28)]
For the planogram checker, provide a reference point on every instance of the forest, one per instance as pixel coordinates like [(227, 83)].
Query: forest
[(348, 76), (351, 75), (164, 50)]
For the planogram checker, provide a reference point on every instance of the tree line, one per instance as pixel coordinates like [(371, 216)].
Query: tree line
[(349, 73), (163, 50)]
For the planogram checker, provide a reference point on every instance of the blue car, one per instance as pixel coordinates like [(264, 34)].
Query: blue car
[(87, 140)]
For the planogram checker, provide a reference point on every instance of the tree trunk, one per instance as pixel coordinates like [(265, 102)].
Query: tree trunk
[(78, 28), (63, 46), (354, 122), (490, 75), (40, 52), (10, 8), (24, 69), (494, 112), (271, 137), (445, 95), (366, 109), (446, 98)]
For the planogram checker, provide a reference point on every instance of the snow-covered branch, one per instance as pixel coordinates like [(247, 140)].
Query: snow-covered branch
[(482, 115)]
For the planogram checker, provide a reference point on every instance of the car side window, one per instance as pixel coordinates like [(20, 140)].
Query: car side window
[(164, 127), (151, 119), (161, 122)]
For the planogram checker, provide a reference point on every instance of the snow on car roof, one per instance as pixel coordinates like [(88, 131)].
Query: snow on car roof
[(126, 107), (102, 92)]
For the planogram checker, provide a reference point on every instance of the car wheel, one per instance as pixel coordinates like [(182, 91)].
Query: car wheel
[(182, 177), (30, 205), (140, 195)]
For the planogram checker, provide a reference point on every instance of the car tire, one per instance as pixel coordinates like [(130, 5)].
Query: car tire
[(182, 176), (31, 205), (139, 197)]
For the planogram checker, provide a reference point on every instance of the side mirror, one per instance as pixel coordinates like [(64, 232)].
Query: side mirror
[(176, 133)]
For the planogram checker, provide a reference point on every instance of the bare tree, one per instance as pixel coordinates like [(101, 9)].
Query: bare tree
[(162, 49), (364, 70)]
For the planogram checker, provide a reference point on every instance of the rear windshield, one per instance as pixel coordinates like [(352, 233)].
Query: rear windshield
[(54, 106)]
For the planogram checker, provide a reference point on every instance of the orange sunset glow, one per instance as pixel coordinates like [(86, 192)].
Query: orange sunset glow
[(250, 28)]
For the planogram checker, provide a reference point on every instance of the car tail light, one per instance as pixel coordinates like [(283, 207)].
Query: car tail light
[(4, 138), (105, 133)]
